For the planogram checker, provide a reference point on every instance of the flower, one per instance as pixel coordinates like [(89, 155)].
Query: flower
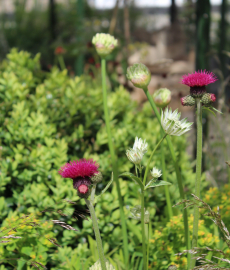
[(80, 171), (59, 50), (135, 156), (197, 82), (172, 125), (136, 213), (155, 173), (97, 266), (162, 97), (104, 44), (208, 99), (139, 75), (140, 145), (188, 101), (79, 168)]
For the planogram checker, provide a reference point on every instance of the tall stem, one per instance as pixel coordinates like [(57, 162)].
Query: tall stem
[(178, 174), (114, 162), (143, 230), (61, 62), (198, 176), (97, 234)]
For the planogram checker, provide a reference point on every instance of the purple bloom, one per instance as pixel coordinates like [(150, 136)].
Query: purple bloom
[(199, 78)]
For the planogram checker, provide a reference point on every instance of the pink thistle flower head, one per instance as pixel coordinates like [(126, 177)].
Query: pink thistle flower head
[(79, 168), (199, 78)]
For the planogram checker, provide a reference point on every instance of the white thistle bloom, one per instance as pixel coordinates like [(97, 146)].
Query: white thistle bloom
[(171, 123), (135, 156), (155, 173), (140, 145)]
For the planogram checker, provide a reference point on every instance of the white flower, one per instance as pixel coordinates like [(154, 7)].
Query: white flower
[(171, 123), (140, 145), (97, 266), (134, 156), (155, 173)]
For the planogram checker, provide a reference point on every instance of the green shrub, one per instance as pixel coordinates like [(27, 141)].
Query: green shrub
[(47, 119)]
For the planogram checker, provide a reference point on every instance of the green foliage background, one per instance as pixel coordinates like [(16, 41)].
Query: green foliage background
[(47, 119)]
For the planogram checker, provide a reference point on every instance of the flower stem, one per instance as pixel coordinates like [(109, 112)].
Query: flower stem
[(164, 174), (114, 163), (154, 150), (143, 230), (97, 234), (198, 176), (61, 62), (178, 174)]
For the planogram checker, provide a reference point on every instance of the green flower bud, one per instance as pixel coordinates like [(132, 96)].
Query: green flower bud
[(188, 101), (104, 44), (97, 266), (162, 97), (208, 99), (139, 75), (96, 178)]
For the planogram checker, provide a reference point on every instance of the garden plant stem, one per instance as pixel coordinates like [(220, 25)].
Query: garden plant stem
[(114, 163), (178, 174), (61, 62), (143, 229), (198, 176), (97, 234)]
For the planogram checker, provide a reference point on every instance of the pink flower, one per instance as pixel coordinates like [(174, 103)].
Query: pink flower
[(79, 168), (199, 78), (213, 97)]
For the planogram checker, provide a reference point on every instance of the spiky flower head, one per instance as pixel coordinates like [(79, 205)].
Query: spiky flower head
[(162, 97), (155, 173), (197, 82), (136, 213), (96, 178), (134, 155), (172, 124), (188, 100), (139, 75), (140, 145), (208, 99), (104, 44), (97, 266)]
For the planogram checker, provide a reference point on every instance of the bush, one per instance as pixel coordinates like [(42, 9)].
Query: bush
[(48, 119)]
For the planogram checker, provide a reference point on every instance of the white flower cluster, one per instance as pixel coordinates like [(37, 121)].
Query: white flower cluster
[(171, 123), (136, 153)]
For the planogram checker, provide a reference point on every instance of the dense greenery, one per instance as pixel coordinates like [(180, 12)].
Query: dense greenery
[(48, 118)]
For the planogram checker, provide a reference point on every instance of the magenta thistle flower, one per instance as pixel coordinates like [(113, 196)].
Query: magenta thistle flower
[(197, 82), (80, 171), (79, 168)]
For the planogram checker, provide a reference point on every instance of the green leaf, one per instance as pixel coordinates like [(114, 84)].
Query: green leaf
[(207, 109), (157, 184), (216, 110), (134, 178), (107, 186)]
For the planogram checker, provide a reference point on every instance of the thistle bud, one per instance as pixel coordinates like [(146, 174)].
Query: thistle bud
[(83, 186), (97, 266), (208, 98), (104, 44), (188, 101), (96, 178), (162, 97), (139, 75)]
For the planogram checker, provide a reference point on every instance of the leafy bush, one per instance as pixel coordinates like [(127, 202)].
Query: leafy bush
[(49, 118)]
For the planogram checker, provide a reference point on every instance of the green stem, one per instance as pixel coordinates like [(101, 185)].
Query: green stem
[(143, 230), (148, 230), (164, 174), (61, 62), (198, 176), (149, 161), (97, 234), (114, 163), (178, 174)]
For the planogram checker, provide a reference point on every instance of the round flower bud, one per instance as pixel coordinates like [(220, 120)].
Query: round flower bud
[(97, 266), (188, 101), (104, 44), (83, 186), (83, 191), (162, 97), (208, 98), (96, 178), (139, 75)]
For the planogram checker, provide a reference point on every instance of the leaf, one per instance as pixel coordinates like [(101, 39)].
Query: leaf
[(216, 110), (107, 186), (134, 178), (207, 109), (157, 184)]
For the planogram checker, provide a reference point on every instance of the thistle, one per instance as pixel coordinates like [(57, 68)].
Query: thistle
[(188, 101), (104, 44), (172, 125), (208, 99), (162, 97), (139, 75)]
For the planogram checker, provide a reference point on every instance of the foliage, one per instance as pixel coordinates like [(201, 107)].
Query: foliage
[(49, 118)]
